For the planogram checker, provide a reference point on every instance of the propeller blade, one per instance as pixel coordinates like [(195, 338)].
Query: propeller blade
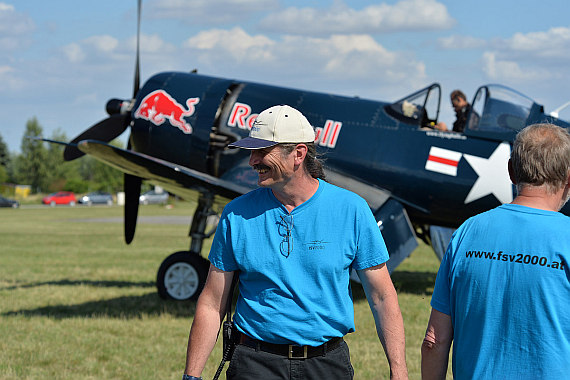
[(137, 62), (132, 193), (132, 185), (105, 130)]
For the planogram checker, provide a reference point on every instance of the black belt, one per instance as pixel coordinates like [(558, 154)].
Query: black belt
[(291, 351)]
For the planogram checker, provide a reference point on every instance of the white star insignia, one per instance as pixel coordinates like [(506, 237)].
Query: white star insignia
[(493, 175)]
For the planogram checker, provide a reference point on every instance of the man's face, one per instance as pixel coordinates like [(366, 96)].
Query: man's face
[(272, 165), (458, 103)]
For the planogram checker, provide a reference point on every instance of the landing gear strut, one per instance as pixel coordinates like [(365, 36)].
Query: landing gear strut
[(182, 275)]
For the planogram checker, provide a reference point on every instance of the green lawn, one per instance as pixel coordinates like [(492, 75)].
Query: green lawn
[(76, 302)]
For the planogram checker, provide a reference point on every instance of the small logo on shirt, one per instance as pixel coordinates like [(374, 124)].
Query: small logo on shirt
[(316, 245)]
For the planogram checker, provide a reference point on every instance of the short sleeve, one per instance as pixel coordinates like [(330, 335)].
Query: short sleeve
[(441, 292), (371, 250), (221, 254)]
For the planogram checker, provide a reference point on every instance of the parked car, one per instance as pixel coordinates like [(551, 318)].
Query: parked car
[(5, 202), (153, 197), (94, 197), (60, 198)]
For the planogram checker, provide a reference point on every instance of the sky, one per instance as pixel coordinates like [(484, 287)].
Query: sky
[(61, 60)]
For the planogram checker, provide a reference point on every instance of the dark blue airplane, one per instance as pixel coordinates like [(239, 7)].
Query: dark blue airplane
[(413, 177)]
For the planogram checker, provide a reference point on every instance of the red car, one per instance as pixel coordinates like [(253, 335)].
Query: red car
[(60, 198)]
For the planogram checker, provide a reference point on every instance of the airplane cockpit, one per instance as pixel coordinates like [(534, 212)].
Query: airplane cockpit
[(501, 109), (497, 112), (420, 108), (502, 112)]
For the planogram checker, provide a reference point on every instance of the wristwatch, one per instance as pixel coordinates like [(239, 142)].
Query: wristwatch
[(188, 377)]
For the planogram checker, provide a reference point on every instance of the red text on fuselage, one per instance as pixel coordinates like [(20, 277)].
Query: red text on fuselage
[(242, 117)]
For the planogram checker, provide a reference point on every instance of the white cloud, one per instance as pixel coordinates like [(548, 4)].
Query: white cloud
[(543, 47), (236, 42), (77, 52), (74, 52), (554, 43), (510, 71), (5, 69), (106, 49), (13, 22), (355, 55), (9, 43), (405, 15), (207, 12), (150, 44), (15, 28), (11, 80), (342, 58), (530, 57), (105, 44), (461, 43)]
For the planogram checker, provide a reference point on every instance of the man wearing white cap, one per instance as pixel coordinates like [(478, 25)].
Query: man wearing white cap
[(293, 242)]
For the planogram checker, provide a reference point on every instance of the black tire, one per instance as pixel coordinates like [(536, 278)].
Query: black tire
[(182, 276)]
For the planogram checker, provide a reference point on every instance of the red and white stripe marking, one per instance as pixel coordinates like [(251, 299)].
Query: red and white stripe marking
[(443, 161)]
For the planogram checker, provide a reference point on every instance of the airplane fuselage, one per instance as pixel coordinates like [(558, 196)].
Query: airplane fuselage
[(441, 178)]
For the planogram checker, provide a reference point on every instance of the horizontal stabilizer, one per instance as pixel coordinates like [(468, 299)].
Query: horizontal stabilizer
[(53, 141)]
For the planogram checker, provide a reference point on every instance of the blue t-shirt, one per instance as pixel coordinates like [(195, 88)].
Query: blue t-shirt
[(295, 268), (505, 282)]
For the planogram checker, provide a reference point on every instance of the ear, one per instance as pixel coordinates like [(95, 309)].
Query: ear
[(511, 172), (300, 153)]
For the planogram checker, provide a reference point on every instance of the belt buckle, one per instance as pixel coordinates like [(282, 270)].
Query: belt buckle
[(293, 355)]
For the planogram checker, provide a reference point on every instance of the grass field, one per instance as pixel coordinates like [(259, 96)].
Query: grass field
[(76, 302)]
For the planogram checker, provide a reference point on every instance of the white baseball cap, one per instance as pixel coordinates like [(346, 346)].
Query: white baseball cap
[(275, 125)]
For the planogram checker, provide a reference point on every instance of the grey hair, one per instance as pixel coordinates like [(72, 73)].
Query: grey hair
[(312, 164), (541, 157)]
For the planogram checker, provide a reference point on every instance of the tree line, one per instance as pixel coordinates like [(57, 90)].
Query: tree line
[(41, 165)]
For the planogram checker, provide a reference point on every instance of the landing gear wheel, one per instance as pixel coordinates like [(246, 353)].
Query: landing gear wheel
[(182, 276)]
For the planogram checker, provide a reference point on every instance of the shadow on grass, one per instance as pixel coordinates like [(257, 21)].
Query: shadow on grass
[(128, 307), (98, 284), (414, 282), (151, 304)]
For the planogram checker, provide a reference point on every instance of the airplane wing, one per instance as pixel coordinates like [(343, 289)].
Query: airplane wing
[(176, 179), (374, 196), (389, 212)]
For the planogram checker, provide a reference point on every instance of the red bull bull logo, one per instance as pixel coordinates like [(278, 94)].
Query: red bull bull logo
[(158, 106)]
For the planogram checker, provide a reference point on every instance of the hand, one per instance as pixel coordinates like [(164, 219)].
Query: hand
[(440, 126)]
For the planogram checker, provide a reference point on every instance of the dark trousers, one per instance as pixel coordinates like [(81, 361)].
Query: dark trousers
[(247, 363)]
